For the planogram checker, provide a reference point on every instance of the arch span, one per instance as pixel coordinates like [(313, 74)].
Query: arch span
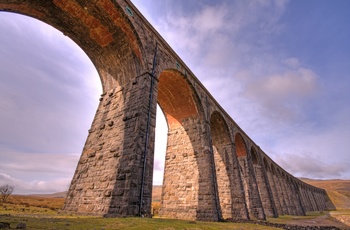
[(53, 89), (263, 185), (222, 151), (187, 186), (250, 184), (107, 36)]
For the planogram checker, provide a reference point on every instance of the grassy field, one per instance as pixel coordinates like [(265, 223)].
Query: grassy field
[(42, 213)]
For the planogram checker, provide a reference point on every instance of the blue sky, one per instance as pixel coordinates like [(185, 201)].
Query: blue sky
[(279, 68)]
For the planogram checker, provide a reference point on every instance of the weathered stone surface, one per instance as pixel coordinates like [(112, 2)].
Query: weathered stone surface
[(213, 170)]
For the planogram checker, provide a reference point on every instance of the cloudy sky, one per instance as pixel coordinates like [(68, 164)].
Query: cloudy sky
[(280, 68)]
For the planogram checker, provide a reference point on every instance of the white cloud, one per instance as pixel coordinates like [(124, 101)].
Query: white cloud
[(37, 173), (35, 186), (307, 164), (275, 97), (49, 88), (282, 95), (291, 62), (48, 163), (316, 152)]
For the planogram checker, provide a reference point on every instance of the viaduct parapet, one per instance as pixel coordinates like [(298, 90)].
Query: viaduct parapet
[(213, 170)]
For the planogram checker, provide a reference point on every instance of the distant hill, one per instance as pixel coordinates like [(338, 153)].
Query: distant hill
[(156, 193), (338, 191), (53, 195)]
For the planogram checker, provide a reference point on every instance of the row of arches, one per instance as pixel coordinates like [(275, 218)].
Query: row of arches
[(212, 170), (246, 184)]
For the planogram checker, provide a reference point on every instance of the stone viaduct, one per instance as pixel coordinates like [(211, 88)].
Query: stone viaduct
[(213, 170)]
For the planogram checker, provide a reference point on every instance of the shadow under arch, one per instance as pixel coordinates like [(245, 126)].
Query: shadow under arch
[(270, 177), (255, 159), (187, 191), (222, 150), (250, 184), (263, 185)]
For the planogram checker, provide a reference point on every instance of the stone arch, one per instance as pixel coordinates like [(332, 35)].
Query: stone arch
[(272, 183), (281, 188), (177, 98), (273, 169), (263, 185), (286, 192), (278, 171), (187, 160), (296, 197), (103, 31), (222, 151), (241, 147), (266, 165), (254, 155), (250, 184), (277, 190)]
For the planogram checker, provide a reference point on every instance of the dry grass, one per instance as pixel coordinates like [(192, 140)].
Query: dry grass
[(157, 193), (341, 186), (41, 213), (36, 201), (31, 205), (338, 191)]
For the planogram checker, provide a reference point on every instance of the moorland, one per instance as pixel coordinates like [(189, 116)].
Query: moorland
[(42, 211)]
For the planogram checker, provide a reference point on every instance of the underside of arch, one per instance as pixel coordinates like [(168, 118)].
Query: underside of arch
[(219, 130), (186, 171), (254, 156), (240, 146), (176, 98), (222, 157), (101, 29)]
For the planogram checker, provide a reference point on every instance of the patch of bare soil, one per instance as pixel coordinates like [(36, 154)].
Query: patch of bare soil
[(324, 220)]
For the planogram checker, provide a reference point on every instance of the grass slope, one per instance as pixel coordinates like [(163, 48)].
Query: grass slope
[(338, 191), (157, 193)]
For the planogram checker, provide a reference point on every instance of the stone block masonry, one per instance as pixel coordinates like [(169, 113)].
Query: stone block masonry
[(213, 170)]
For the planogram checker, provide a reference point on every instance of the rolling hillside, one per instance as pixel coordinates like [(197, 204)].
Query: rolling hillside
[(338, 191), (156, 193)]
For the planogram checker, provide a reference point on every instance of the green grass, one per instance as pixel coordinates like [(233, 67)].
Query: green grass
[(14, 209), (37, 213), (42, 213)]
